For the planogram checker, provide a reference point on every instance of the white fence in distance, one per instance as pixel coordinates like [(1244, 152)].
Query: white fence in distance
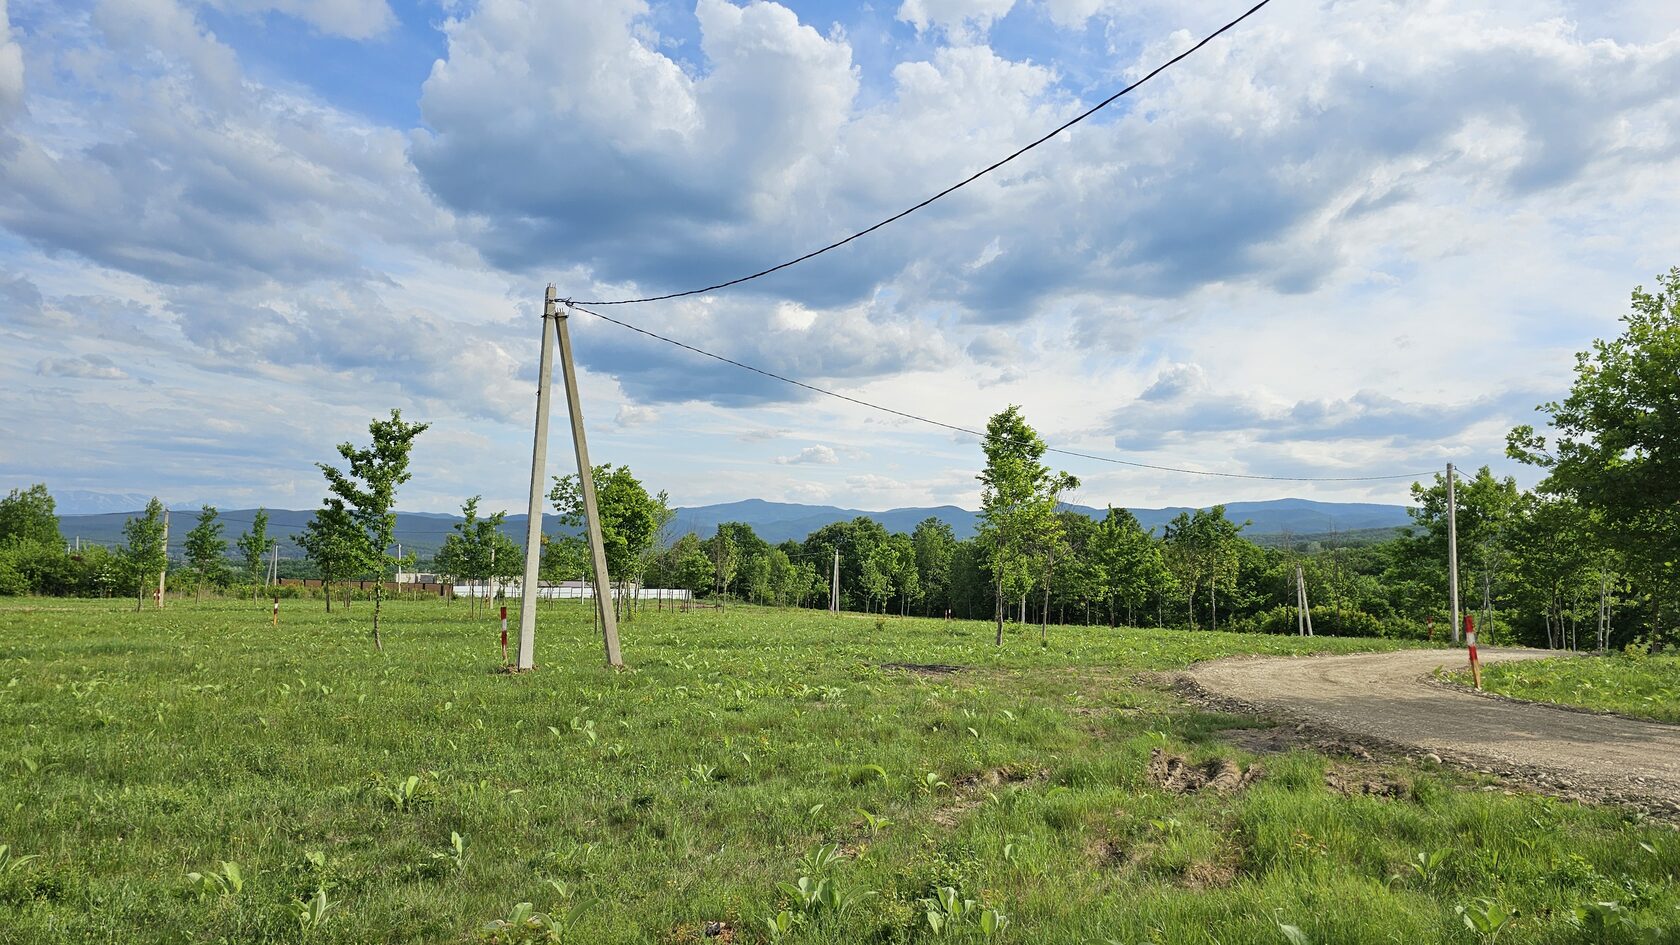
[(571, 590)]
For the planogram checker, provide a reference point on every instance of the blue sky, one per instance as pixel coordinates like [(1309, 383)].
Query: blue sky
[(1347, 239)]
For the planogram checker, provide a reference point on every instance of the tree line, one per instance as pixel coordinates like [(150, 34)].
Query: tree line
[(1588, 558)]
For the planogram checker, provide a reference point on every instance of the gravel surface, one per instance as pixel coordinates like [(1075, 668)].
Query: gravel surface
[(1388, 698)]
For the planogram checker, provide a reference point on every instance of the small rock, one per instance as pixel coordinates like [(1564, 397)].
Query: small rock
[(1432, 758)]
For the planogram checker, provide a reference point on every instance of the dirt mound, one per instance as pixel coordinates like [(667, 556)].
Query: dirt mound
[(1176, 775), (1352, 783)]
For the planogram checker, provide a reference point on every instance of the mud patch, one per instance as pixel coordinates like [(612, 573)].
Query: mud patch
[(970, 790), (1350, 782), (1175, 775), (924, 669)]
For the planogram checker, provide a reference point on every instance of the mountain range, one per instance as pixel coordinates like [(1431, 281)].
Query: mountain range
[(424, 532)]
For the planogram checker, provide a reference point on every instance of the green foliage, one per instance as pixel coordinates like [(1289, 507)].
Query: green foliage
[(330, 540), (1642, 686), (205, 546), (630, 518), (227, 881), (1486, 917), (144, 556), (29, 516), (1018, 525), (253, 545), (367, 493), (1615, 446)]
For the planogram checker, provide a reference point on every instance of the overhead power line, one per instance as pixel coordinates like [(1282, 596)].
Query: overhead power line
[(977, 433), (951, 189)]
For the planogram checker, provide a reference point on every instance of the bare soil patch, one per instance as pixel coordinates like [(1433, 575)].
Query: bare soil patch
[(924, 669), (1176, 775)]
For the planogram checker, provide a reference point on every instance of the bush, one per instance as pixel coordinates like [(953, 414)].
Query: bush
[(1328, 622)]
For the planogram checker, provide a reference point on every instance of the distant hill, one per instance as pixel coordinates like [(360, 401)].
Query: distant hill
[(424, 532)]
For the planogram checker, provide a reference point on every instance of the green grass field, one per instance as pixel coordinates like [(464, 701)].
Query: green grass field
[(1646, 687), (139, 749)]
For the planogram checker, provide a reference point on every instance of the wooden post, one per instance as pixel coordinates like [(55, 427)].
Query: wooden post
[(834, 590), (586, 485)]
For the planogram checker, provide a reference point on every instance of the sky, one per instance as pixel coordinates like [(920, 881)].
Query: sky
[(1349, 238)]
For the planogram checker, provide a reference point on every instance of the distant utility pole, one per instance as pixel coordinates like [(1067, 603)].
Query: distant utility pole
[(165, 569), (1452, 552), (1303, 609), (834, 591)]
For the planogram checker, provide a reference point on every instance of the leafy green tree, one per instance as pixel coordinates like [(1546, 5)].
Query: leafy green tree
[(875, 576), (30, 515), (726, 558), (1017, 505), (144, 556), (1203, 547), (478, 551), (1132, 566), (206, 548), (688, 567), (906, 579), (369, 493), (253, 544), (935, 546), (1485, 506), (630, 519), (331, 541), (1052, 545), (1615, 446), (564, 558), (1556, 559)]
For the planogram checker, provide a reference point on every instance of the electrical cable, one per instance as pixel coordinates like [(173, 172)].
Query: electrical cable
[(977, 433), (951, 189)]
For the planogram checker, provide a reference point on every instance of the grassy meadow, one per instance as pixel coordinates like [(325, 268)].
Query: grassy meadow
[(1646, 687), (756, 775)]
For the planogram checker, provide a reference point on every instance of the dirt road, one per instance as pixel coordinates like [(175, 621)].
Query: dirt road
[(1388, 697)]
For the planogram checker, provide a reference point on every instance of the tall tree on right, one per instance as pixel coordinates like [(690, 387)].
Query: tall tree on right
[(1017, 506), (1615, 448)]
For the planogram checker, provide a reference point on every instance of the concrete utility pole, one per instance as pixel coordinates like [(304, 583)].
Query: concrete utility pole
[(834, 591), (165, 569), (1452, 553), (1300, 606), (1304, 612), (525, 658), (586, 484)]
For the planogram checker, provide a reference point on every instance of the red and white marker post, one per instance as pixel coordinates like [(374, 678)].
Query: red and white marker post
[(1470, 638), (504, 633)]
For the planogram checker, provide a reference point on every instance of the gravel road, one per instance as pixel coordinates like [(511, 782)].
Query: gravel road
[(1389, 697)]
